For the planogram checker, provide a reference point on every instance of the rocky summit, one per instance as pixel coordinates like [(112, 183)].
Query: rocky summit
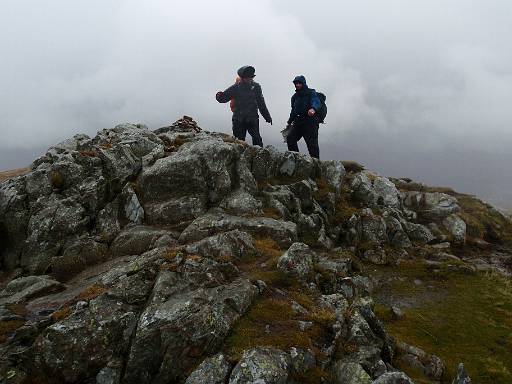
[(185, 256)]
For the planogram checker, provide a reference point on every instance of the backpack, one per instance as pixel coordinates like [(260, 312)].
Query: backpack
[(322, 111)]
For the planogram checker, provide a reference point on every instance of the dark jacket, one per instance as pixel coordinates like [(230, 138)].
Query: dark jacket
[(248, 98), (302, 101)]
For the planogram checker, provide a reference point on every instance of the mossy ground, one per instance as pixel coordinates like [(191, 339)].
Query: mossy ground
[(457, 316), (271, 321)]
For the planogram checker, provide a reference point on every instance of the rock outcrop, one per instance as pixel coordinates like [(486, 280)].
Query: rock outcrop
[(131, 257)]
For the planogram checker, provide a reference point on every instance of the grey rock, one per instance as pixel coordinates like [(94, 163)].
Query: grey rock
[(305, 325), (199, 168), (376, 256), (190, 313), (396, 234), (297, 261), (172, 211), (284, 232), (385, 193), (434, 367), (301, 360), (241, 202), (431, 205), (333, 172), (213, 370), (24, 288), (136, 240), (233, 244), (299, 309), (368, 357), (445, 245), (363, 189), (397, 313), (262, 365), (54, 220), (107, 222), (350, 373), (120, 164), (393, 378), (77, 256), (360, 332), (132, 208), (457, 227), (109, 375), (462, 376), (418, 232), (330, 273), (77, 347), (337, 303)]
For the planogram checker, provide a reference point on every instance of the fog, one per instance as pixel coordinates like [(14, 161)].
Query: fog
[(418, 89)]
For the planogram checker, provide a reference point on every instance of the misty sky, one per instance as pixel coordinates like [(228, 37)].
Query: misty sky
[(417, 88)]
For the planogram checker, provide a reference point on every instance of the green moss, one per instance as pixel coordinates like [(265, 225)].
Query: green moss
[(344, 209), (461, 318), (56, 179), (483, 221), (272, 322)]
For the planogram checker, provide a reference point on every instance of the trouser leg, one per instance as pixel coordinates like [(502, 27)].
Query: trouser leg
[(239, 129), (311, 139), (294, 136), (253, 127)]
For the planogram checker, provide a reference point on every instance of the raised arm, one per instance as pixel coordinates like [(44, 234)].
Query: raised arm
[(225, 96)]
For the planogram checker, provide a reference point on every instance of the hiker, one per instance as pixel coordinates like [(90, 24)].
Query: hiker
[(247, 100), (303, 121)]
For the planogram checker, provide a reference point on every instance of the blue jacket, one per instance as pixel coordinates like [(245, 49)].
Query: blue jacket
[(302, 101)]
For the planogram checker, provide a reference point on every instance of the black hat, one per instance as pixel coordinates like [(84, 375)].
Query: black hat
[(246, 71)]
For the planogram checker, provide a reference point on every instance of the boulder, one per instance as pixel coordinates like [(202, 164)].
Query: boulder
[(190, 313), (297, 261), (75, 349), (457, 228), (241, 202), (385, 193), (213, 370), (284, 232), (229, 245), (350, 373), (175, 211), (23, 289), (333, 172), (418, 232), (133, 211), (262, 365), (393, 378), (137, 240), (204, 169), (53, 222), (77, 256), (462, 376), (363, 189), (431, 205)]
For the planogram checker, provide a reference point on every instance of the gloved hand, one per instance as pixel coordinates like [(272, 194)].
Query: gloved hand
[(269, 121), (218, 94)]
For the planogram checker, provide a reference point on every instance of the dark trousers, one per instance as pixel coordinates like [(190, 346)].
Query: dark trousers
[(241, 127), (308, 130)]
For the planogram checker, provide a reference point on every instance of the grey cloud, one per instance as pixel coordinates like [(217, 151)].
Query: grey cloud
[(427, 83)]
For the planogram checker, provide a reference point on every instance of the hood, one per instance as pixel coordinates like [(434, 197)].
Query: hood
[(300, 79)]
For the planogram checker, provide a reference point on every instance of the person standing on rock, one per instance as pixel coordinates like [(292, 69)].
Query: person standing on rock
[(247, 99), (303, 120)]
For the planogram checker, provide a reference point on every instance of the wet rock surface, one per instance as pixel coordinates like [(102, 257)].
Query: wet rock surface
[(132, 256)]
